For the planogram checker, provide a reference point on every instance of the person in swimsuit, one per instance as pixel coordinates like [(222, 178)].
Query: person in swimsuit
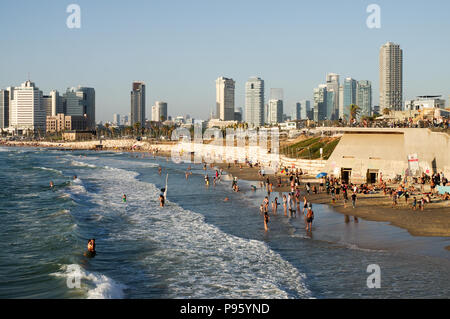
[(161, 200), (90, 248), (266, 221), (124, 198), (309, 219), (51, 184)]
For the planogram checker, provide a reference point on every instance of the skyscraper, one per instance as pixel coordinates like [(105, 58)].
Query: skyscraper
[(225, 99), (72, 103), (254, 101), (159, 111), (4, 109), (391, 77), (275, 112), (305, 109), (87, 100), (138, 104), (349, 96), (116, 119), (320, 103), (26, 111), (364, 97), (333, 97)]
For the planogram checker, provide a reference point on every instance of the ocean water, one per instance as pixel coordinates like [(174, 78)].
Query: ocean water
[(198, 246)]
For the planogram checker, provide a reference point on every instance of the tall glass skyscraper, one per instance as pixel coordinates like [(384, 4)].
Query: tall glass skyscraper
[(364, 97), (138, 104), (254, 101), (349, 96), (4, 109), (320, 103)]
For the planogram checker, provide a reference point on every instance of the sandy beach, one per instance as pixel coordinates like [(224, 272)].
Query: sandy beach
[(434, 221)]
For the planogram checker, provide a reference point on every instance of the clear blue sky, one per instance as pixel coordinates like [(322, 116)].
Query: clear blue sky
[(180, 47)]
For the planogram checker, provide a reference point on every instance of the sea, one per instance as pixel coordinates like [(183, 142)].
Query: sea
[(197, 246)]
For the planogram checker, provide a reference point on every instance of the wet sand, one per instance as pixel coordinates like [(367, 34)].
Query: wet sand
[(434, 221)]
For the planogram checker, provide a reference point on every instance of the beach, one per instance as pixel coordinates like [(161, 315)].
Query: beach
[(197, 246), (433, 221)]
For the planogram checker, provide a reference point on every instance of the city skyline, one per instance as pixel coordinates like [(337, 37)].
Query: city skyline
[(191, 51)]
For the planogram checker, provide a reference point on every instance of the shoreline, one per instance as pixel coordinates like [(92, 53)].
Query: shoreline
[(434, 221)]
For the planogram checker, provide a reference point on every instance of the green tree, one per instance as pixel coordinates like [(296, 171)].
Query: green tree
[(354, 111)]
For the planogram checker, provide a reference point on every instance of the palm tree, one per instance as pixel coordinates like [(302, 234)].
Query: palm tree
[(386, 111), (354, 111)]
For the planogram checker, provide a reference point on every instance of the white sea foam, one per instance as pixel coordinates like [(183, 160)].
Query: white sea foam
[(49, 169), (200, 260), (95, 285), (83, 164)]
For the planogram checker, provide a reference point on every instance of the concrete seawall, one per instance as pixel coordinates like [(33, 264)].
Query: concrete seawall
[(365, 152)]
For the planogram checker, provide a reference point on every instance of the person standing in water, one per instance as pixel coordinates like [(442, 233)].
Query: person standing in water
[(124, 198), (285, 205), (309, 219), (51, 184), (159, 170), (266, 221)]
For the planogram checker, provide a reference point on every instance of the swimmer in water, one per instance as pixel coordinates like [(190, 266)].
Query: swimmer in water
[(75, 177), (91, 248), (124, 198), (159, 170), (51, 184), (161, 200), (226, 199)]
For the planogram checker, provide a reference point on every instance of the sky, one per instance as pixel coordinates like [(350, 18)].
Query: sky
[(179, 48)]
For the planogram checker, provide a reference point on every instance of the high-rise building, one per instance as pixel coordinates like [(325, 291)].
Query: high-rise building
[(225, 99), (275, 112), (26, 111), (116, 119), (333, 99), (138, 103), (4, 109), (350, 86), (72, 103), (320, 103), (87, 100), (341, 101), (364, 97), (391, 77), (305, 109), (296, 115), (254, 101), (159, 111)]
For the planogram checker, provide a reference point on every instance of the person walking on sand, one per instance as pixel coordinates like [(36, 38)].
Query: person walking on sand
[(414, 204), (354, 200)]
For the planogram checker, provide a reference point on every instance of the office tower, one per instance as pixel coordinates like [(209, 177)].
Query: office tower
[(138, 104), (254, 101), (72, 103), (296, 115), (320, 103), (125, 120), (391, 77), (305, 109), (341, 101), (116, 119), (4, 109), (333, 102), (159, 111), (275, 112), (225, 99), (364, 97), (349, 96), (26, 111), (87, 101)]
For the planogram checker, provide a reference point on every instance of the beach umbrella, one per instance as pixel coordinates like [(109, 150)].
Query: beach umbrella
[(321, 175)]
